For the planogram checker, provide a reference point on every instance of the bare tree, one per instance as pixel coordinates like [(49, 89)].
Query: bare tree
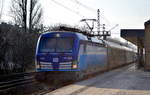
[(35, 15), (27, 18), (19, 12), (1, 8)]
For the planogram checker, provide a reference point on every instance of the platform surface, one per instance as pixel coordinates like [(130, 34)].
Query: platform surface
[(123, 81)]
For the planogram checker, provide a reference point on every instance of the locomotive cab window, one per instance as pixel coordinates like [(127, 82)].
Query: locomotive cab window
[(56, 44), (64, 44), (47, 44)]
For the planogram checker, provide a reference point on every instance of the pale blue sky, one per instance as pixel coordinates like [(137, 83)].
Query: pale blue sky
[(126, 13)]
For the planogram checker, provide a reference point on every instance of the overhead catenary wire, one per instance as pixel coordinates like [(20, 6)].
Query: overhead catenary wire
[(85, 6), (91, 10), (77, 13), (82, 5)]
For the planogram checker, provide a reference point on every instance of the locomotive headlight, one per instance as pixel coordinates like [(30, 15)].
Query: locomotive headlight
[(37, 66), (74, 64), (57, 35)]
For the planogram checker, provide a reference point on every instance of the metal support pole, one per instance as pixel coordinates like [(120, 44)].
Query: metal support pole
[(98, 21)]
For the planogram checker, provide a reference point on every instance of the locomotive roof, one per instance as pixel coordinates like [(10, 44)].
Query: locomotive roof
[(81, 36), (93, 39)]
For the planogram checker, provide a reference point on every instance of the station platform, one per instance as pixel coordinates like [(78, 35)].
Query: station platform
[(123, 81)]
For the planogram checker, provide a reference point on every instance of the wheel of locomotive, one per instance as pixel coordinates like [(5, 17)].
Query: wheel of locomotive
[(79, 75), (40, 76)]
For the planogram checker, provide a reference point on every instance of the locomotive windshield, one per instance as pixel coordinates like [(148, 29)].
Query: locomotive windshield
[(56, 44)]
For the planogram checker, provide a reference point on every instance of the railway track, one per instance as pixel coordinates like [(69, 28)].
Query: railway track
[(11, 81)]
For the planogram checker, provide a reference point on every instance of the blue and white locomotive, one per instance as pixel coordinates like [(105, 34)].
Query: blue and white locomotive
[(73, 55)]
